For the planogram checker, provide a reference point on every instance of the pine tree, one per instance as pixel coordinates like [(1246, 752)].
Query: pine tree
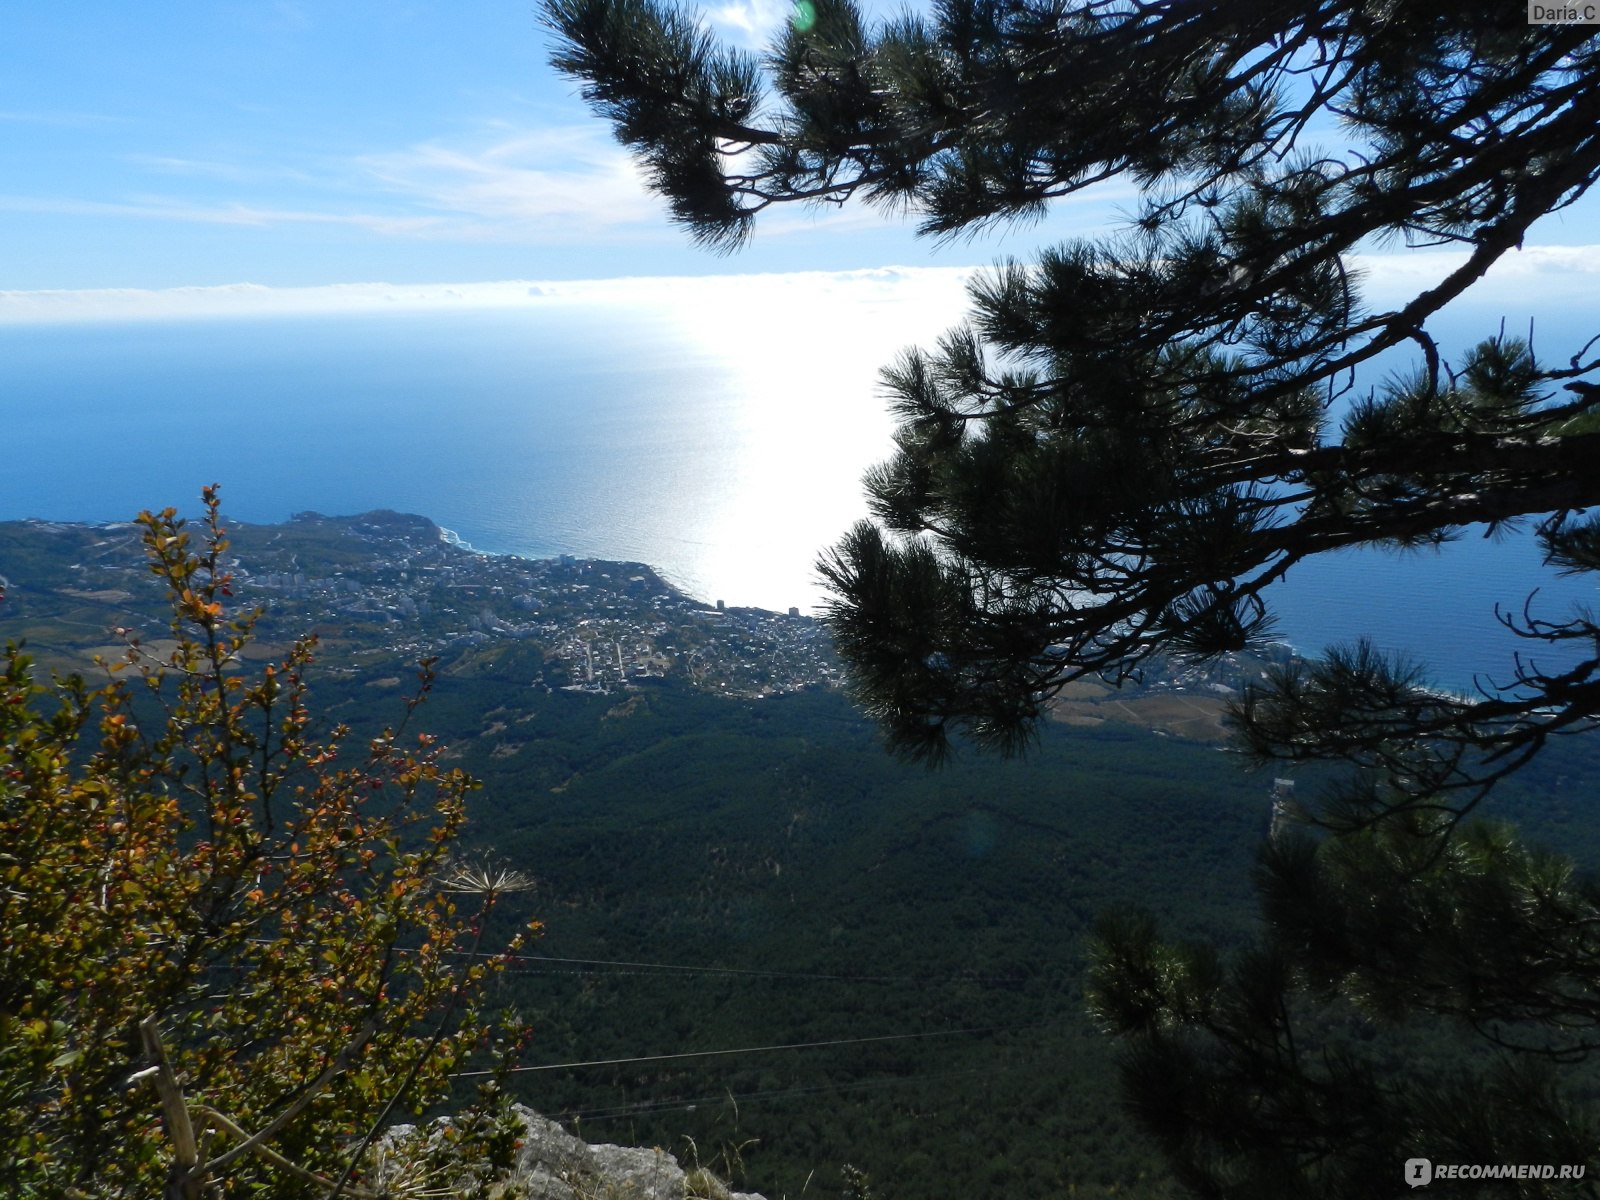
[(1133, 440), (1129, 444)]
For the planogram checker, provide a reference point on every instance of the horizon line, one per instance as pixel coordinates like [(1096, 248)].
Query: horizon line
[(1406, 268), (249, 299)]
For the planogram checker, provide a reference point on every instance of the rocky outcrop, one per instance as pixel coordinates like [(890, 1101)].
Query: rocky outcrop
[(552, 1164)]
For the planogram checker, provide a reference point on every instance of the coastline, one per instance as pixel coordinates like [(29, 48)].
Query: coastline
[(383, 589), (451, 538), (1335, 606)]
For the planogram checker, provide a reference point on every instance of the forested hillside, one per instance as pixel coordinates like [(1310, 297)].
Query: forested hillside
[(721, 875), (778, 950)]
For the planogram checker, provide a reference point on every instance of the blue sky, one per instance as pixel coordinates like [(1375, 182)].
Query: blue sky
[(305, 143)]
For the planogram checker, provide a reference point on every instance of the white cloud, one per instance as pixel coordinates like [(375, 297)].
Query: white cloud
[(749, 23), (725, 304), (528, 186), (547, 184), (227, 172), (716, 300), (165, 209), (1532, 275)]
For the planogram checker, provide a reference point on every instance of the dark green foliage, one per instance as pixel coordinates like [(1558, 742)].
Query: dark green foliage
[(879, 900), (1134, 440), (871, 898), (1309, 1063), (1129, 445)]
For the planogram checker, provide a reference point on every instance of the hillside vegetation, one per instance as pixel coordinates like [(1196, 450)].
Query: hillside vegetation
[(888, 962)]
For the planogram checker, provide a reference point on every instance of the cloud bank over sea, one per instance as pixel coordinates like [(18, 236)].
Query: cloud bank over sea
[(241, 300), (1526, 281)]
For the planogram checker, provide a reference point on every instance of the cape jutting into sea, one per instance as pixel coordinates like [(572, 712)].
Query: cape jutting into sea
[(629, 434)]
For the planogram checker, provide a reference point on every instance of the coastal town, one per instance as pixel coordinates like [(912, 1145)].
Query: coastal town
[(383, 590), (389, 586)]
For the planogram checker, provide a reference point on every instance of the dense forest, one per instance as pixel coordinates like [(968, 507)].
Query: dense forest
[(269, 889), (732, 874), (774, 949)]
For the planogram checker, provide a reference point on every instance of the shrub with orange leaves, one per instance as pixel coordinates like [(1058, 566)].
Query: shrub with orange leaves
[(191, 873)]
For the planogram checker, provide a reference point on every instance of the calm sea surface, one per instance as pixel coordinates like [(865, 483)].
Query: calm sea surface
[(726, 459)]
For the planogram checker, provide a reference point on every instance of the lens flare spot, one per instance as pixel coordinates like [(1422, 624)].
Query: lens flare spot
[(804, 16)]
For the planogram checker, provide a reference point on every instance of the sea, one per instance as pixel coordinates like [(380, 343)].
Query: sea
[(717, 434)]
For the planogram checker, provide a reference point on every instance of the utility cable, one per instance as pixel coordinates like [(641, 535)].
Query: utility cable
[(689, 1104), (617, 1062), (677, 968), (669, 969)]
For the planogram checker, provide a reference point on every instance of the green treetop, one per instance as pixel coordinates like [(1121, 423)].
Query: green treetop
[(1134, 439), (1129, 444)]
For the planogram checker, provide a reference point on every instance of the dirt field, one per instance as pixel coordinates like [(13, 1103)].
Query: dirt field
[(1198, 717)]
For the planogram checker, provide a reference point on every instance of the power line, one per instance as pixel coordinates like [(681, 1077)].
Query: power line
[(617, 1062), (647, 968), (678, 968), (617, 1112)]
